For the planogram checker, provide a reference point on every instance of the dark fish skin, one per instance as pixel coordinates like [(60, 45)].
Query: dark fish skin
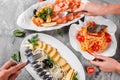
[(95, 29)]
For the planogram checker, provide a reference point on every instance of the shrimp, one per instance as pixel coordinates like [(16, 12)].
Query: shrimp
[(37, 21)]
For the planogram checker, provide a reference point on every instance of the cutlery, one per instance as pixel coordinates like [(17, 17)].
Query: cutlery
[(32, 58), (63, 14)]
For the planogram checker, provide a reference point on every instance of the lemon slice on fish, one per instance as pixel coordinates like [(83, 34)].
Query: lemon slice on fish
[(49, 24)]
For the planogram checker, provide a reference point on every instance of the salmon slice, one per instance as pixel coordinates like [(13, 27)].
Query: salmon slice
[(57, 8), (59, 21), (70, 17), (74, 8), (77, 15), (60, 4), (54, 18)]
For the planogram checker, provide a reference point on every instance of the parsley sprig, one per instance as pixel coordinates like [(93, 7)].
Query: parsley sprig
[(16, 57), (33, 40), (50, 60), (75, 76), (19, 33), (59, 32)]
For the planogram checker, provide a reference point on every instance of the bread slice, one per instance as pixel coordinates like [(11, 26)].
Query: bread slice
[(66, 68), (48, 49), (44, 46), (70, 75), (62, 62), (57, 57), (40, 44), (53, 53)]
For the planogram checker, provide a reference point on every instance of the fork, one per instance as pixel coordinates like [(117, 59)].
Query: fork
[(30, 57)]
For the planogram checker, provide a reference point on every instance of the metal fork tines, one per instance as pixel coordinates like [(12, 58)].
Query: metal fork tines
[(32, 58)]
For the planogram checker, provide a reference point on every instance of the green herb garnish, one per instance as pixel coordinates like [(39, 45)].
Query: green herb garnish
[(33, 40), (46, 12), (49, 11), (59, 32), (75, 76), (16, 57), (50, 60), (19, 33), (43, 16)]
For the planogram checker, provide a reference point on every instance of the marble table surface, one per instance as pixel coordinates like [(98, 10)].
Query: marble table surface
[(9, 44)]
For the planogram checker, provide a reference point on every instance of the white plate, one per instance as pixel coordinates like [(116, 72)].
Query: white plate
[(64, 52), (24, 20), (99, 20)]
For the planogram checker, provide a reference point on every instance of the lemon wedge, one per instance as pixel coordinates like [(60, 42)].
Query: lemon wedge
[(49, 24)]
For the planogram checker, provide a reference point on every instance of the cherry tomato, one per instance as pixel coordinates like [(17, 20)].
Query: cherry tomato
[(90, 70), (40, 0), (93, 23), (80, 38), (107, 35), (95, 34), (95, 47), (108, 40)]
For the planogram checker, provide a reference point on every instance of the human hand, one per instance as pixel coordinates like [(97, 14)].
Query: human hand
[(93, 9), (10, 70), (107, 64)]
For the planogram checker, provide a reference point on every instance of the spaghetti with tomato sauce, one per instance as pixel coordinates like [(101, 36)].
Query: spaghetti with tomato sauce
[(93, 42)]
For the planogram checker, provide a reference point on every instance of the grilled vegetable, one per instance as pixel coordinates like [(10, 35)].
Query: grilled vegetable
[(48, 19), (41, 10)]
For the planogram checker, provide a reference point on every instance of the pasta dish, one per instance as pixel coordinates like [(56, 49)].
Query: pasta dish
[(93, 37)]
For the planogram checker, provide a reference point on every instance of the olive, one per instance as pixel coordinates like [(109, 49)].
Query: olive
[(34, 11), (50, 65), (35, 16), (45, 66), (45, 61)]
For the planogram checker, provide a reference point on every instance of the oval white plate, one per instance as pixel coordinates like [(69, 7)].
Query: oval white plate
[(24, 20), (64, 51), (99, 20)]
